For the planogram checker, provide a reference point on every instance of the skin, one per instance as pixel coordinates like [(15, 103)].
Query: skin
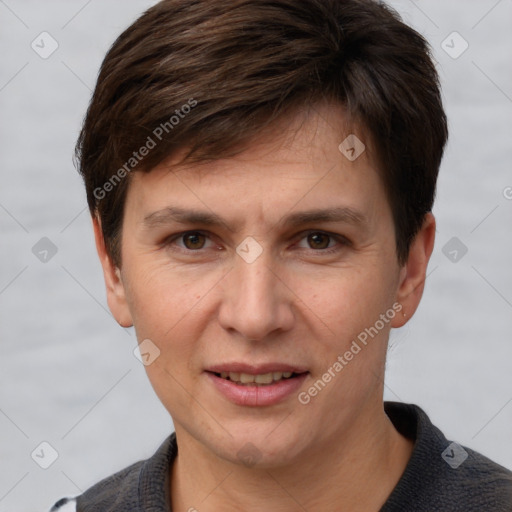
[(302, 301)]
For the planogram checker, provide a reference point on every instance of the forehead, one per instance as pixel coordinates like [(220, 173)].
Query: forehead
[(309, 160)]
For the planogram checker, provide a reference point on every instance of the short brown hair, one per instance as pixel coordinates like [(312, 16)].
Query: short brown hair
[(208, 76)]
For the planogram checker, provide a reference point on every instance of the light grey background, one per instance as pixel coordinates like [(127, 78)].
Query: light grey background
[(68, 375)]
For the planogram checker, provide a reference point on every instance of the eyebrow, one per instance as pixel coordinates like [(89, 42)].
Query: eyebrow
[(172, 214)]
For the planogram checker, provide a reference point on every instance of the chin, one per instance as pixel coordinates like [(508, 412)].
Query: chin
[(258, 449)]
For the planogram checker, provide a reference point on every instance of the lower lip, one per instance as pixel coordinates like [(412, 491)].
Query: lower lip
[(268, 394)]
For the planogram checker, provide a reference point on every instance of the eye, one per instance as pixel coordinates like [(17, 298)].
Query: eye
[(318, 240), (322, 242), (193, 241), (189, 241)]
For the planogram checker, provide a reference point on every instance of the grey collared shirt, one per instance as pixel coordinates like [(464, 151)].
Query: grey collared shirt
[(440, 476)]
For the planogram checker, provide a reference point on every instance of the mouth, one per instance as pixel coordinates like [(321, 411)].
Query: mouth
[(261, 379), (262, 385)]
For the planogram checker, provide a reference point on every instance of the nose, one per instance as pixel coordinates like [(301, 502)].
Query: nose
[(256, 303)]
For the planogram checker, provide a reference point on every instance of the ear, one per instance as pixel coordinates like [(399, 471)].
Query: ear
[(414, 271), (116, 296)]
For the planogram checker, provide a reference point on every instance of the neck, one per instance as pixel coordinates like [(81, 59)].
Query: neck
[(354, 471)]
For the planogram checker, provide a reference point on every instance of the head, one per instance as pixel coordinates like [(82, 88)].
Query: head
[(261, 176)]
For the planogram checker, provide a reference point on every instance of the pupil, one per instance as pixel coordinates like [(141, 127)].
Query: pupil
[(319, 240), (194, 241)]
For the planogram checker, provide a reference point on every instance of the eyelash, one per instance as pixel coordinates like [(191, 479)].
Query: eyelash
[(342, 241)]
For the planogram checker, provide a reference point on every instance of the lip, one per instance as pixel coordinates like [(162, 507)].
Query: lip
[(256, 369), (253, 395)]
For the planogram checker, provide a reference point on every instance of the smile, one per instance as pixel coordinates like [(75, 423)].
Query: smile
[(261, 379), (256, 390)]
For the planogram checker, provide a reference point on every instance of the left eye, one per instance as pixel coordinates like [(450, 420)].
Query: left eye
[(318, 240)]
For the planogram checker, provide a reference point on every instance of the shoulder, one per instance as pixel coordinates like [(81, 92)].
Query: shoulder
[(64, 505), (442, 474), (128, 489), (104, 493), (474, 477)]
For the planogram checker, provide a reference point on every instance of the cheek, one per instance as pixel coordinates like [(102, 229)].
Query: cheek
[(161, 296), (169, 309), (172, 307), (346, 301)]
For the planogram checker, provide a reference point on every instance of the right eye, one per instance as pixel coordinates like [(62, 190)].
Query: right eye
[(189, 240)]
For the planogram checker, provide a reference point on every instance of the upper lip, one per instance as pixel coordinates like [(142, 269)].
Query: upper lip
[(259, 369)]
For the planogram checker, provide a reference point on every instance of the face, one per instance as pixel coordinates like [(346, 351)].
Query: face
[(270, 266)]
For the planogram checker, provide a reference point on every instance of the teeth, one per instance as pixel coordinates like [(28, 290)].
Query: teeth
[(265, 378), (245, 378)]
